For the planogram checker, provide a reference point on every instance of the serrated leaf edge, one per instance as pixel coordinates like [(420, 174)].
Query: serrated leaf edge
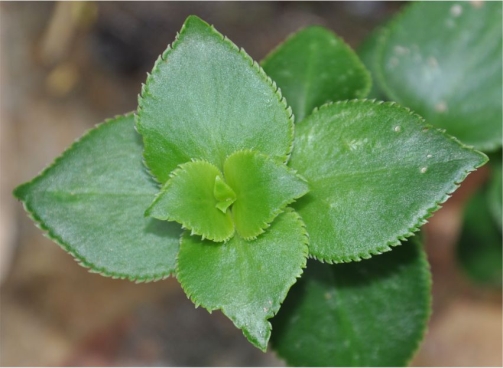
[(267, 223), (426, 296), (163, 58), (429, 211), (187, 225), (279, 300), (48, 233), (356, 59)]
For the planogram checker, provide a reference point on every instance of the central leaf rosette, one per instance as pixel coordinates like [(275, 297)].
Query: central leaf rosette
[(245, 198), (217, 135)]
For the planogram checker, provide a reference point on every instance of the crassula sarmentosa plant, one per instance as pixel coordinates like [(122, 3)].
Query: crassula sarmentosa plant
[(229, 181)]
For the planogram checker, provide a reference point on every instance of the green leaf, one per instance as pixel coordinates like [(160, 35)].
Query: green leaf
[(367, 51), (188, 198), (247, 280), (223, 194), (368, 313), (444, 61), (479, 251), (206, 99), (91, 202), (314, 66), (376, 173), (263, 189)]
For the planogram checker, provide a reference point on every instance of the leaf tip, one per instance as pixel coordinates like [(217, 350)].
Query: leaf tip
[(20, 192), (194, 21)]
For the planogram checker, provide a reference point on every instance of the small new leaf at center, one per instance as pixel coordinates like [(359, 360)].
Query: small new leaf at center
[(263, 187), (223, 194), (190, 198)]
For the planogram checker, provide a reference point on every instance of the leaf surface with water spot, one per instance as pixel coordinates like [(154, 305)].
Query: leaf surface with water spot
[(444, 61), (375, 173)]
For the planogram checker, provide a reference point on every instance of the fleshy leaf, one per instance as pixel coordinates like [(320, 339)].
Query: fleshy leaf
[(91, 202), (479, 251), (263, 189), (206, 99), (314, 66), (188, 198), (369, 314), (444, 61), (223, 194), (375, 173), (247, 280)]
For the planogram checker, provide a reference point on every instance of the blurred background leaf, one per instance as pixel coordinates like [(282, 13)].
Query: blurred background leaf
[(480, 250)]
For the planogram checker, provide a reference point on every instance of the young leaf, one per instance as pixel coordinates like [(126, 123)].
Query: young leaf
[(263, 189), (375, 173), (368, 313), (91, 202), (206, 99), (247, 280), (188, 197), (223, 194), (444, 61), (314, 66)]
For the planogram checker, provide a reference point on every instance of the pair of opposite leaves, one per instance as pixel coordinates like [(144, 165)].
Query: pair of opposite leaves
[(197, 196), (207, 100)]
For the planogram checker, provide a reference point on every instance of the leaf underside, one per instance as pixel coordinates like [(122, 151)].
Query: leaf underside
[(206, 99), (448, 69), (375, 173), (247, 280), (314, 66), (91, 202), (368, 313)]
